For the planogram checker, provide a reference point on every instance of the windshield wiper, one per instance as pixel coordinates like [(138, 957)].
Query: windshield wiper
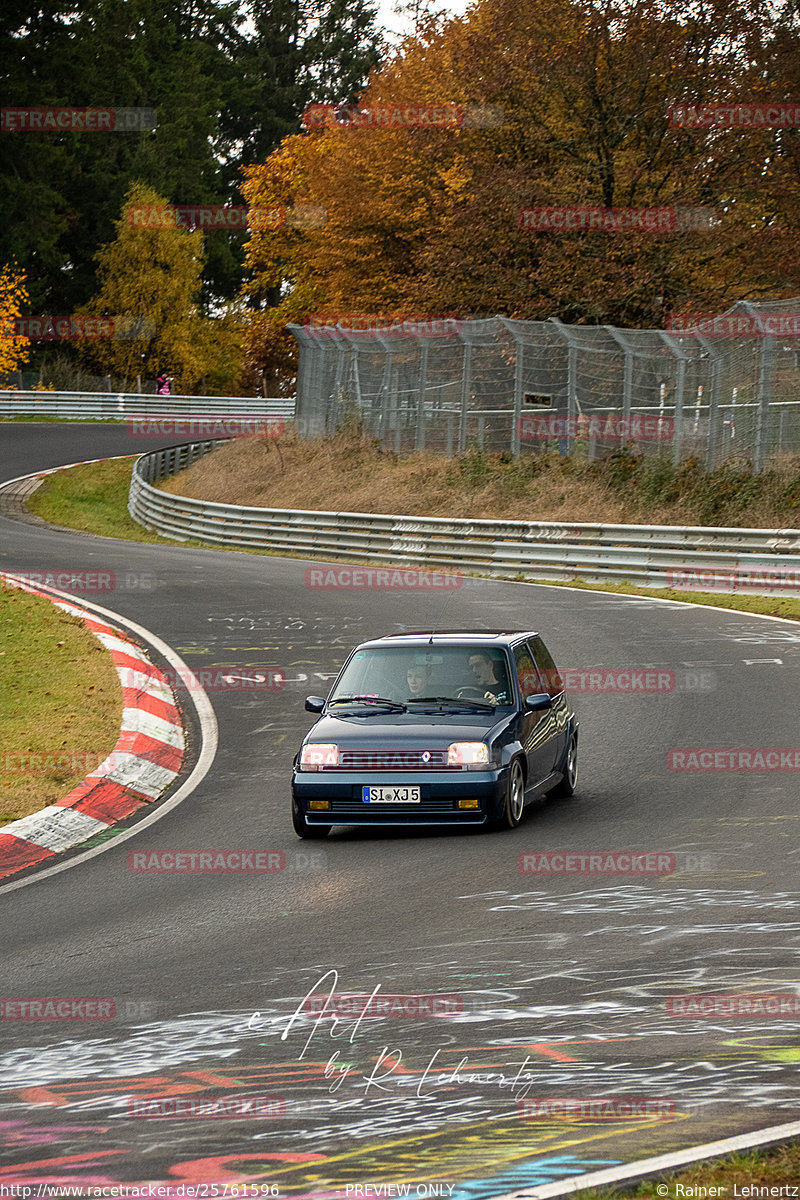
[(368, 700), (465, 703)]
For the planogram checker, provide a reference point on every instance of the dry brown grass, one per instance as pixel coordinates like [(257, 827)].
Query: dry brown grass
[(347, 473), (339, 476)]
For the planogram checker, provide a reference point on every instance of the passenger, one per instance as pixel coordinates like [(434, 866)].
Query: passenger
[(419, 678)]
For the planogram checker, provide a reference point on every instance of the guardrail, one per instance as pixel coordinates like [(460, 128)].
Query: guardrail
[(646, 555), (116, 406)]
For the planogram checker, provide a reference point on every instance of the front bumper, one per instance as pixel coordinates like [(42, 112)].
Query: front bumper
[(440, 792)]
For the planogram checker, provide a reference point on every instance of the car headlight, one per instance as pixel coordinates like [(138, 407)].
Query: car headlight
[(316, 756), (468, 754)]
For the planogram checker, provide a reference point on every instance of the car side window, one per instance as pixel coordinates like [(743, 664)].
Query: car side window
[(551, 679), (527, 675)]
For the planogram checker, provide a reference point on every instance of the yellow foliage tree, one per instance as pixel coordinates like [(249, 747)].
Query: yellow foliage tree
[(150, 279), (14, 348)]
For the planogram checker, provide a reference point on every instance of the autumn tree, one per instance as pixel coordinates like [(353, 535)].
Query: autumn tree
[(426, 219), (150, 278)]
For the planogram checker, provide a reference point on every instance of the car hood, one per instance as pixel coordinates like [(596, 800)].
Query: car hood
[(405, 729)]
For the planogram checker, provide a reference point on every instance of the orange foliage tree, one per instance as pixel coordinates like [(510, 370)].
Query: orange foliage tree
[(425, 219)]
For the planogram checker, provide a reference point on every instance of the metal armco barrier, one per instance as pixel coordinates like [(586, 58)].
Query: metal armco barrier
[(118, 406), (651, 556)]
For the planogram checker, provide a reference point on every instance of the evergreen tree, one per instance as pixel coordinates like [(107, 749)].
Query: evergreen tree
[(228, 82)]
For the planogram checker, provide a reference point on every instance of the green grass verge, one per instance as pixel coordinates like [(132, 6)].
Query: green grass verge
[(34, 417), (94, 499), (60, 703), (730, 1176), (772, 606)]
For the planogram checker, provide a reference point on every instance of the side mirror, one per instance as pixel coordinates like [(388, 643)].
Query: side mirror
[(315, 704), (538, 703)]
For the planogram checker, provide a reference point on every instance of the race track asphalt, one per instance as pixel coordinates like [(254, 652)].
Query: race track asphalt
[(561, 982)]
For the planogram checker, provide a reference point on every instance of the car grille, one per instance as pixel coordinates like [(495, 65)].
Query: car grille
[(394, 760), (358, 808)]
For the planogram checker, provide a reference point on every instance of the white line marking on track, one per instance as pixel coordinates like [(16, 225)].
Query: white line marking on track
[(654, 1166)]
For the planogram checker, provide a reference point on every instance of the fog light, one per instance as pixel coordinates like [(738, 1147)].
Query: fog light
[(469, 803), (319, 804)]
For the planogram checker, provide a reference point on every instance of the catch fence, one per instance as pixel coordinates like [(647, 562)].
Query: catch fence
[(727, 387)]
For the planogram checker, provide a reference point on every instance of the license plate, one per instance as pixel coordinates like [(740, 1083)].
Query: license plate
[(390, 795)]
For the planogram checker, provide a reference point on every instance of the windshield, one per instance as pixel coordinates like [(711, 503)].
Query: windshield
[(425, 674)]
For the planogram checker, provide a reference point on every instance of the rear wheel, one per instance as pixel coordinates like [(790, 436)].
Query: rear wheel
[(568, 784), (303, 829), (514, 802)]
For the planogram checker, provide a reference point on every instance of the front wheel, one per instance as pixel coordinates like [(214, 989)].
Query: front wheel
[(568, 784), (303, 829), (514, 799)]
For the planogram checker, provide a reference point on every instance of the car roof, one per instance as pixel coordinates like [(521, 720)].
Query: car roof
[(451, 637)]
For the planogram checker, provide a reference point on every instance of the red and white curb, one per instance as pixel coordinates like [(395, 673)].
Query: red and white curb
[(144, 762)]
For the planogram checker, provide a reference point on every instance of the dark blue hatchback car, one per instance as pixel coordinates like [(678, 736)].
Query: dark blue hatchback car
[(436, 729)]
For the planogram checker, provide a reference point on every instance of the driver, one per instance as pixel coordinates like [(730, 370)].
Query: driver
[(484, 668)]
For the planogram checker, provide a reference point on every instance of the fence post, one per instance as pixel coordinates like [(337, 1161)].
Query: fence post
[(627, 385), (572, 382), (713, 402), (466, 387), (680, 380), (765, 361), (419, 440), (385, 391), (764, 395), (337, 385), (519, 374)]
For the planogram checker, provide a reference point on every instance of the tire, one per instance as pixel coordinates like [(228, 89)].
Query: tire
[(303, 829), (567, 786), (514, 801)]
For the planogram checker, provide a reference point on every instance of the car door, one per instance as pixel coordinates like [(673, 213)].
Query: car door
[(535, 728), (552, 683)]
